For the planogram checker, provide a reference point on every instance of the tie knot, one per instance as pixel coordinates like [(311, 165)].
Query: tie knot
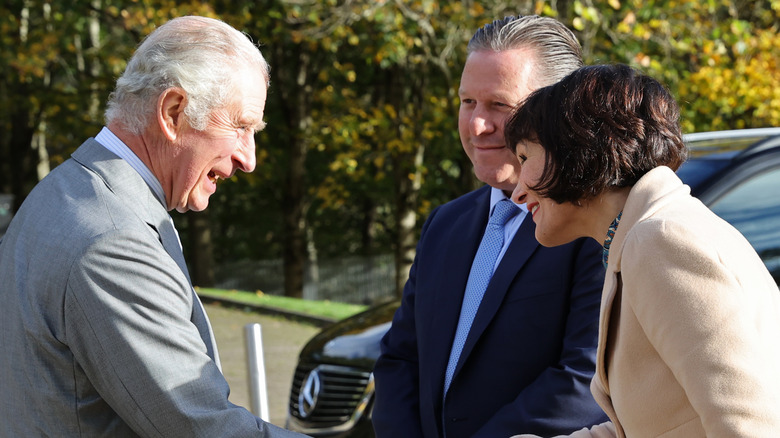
[(503, 211)]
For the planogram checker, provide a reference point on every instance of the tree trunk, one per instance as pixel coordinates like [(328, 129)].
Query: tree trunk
[(408, 97), (311, 288), (294, 245), (95, 67), (406, 213), (38, 143), (368, 231), (23, 160), (201, 249), (22, 169), (295, 103)]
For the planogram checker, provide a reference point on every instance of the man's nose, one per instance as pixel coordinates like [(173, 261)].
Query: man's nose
[(481, 123), (244, 156)]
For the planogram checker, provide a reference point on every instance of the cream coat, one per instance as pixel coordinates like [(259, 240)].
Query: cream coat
[(689, 335)]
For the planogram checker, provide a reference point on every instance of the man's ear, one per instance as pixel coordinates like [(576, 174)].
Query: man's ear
[(170, 112)]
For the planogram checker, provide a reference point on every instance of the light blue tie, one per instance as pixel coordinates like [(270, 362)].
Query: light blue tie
[(479, 277)]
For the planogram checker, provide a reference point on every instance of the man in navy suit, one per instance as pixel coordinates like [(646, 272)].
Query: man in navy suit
[(529, 356)]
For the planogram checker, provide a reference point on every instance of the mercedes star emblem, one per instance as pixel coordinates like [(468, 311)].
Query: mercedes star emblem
[(310, 391)]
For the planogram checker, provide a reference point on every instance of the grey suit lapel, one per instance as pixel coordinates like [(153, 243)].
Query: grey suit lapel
[(172, 245), (128, 185)]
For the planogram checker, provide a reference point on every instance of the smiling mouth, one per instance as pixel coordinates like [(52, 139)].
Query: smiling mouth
[(213, 177), (534, 208), (489, 148)]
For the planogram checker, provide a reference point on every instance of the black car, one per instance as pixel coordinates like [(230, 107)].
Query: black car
[(736, 173)]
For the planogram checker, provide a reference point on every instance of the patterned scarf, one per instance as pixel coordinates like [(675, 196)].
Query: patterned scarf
[(608, 241)]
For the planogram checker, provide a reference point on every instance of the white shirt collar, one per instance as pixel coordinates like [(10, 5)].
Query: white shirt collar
[(111, 142)]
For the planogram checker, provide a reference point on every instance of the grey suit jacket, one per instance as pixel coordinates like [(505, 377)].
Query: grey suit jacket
[(101, 333)]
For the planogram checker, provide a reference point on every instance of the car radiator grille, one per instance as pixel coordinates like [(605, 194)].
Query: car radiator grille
[(343, 395)]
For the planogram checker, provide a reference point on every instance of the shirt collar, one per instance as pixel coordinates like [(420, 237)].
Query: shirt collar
[(111, 142), (497, 195)]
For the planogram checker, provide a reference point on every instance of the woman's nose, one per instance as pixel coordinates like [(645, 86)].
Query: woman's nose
[(518, 195)]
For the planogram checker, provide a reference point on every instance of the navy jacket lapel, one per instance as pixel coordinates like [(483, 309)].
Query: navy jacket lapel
[(523, 245), (466, 234)]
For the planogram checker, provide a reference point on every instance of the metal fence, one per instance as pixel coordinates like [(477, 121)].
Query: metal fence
[(357, 279)]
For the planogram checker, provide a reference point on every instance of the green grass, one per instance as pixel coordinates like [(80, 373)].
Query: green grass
[(327, 309)]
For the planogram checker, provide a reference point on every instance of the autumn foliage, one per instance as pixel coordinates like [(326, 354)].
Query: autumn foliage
[(362, 137)]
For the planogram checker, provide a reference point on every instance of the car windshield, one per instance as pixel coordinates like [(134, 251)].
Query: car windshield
[(711, 152), (713, 143)]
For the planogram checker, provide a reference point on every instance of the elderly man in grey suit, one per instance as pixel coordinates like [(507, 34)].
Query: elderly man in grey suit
[(101, 333)]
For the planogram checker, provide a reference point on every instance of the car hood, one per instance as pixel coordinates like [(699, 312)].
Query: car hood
[(354, 340)]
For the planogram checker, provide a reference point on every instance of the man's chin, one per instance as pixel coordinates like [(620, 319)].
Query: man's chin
[(193, 206), (505, 185), (503, 179)]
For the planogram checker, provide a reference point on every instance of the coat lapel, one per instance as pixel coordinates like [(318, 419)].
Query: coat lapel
[(463, 241), (523, 245), (170, 241), (609, 292), (128, 185), (654, 190), (172, 245)]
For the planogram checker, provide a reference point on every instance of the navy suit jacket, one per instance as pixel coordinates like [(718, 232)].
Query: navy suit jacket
[(530, 355)]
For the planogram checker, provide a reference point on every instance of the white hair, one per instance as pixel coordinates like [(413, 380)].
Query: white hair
[(200, 55)]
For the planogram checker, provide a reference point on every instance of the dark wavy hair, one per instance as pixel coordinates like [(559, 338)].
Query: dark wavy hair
[(602, 127)]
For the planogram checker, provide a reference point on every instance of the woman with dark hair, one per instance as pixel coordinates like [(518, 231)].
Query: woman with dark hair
[(690, 316)]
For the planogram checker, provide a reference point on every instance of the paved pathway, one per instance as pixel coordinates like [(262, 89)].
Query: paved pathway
[(282, 342)]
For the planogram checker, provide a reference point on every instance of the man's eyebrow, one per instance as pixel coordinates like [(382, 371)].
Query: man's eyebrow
[(252, 121)]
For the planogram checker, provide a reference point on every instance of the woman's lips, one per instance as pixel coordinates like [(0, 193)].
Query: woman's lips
[(533, 207)]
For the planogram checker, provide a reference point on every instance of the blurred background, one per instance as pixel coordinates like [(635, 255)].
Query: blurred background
[(362, 136)]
